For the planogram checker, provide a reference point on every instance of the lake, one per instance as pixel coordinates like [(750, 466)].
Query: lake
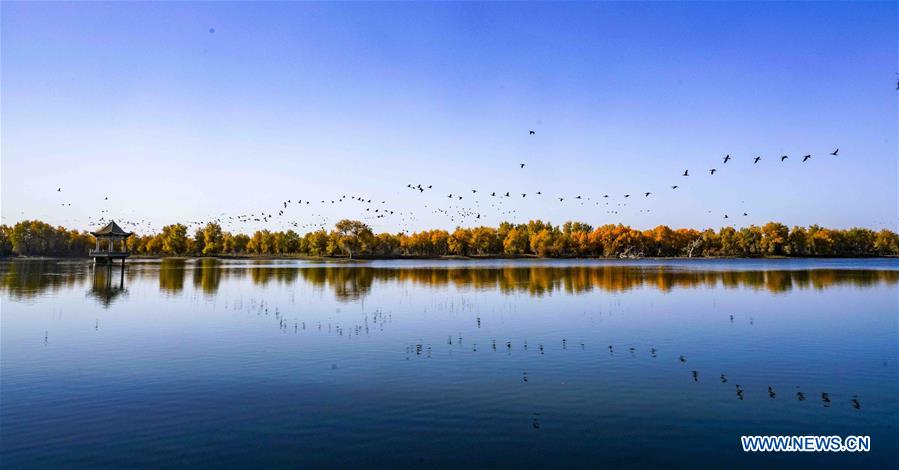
[(503, 363)]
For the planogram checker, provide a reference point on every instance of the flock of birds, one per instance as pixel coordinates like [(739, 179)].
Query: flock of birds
[(614, 203), (471, 206)]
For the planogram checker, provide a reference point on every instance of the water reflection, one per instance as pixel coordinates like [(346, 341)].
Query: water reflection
[(26, 279), (207, 275), (171, 275), (23, 279), (497, 358), (108, 284)]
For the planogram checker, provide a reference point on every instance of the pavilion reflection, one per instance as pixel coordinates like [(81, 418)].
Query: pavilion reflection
[(108, 284)]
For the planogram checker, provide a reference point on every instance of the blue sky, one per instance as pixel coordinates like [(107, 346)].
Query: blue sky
[(142, 104)]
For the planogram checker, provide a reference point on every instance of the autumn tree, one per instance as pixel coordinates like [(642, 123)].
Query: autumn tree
[(542, 242), (212, 239), (516, 242), (459, 242), (775, 238), (385, 244), (352, 236), (439, 242), (174, 239), (484, 241), (886, 243), (317, 242)]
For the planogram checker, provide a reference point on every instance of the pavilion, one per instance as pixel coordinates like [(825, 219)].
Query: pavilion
[(106, 244)]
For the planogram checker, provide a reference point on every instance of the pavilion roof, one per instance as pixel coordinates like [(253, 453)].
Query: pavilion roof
[(111, 229)]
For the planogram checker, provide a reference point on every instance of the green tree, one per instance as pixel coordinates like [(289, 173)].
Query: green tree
[(798, 242), (5, 243), (197, 243)]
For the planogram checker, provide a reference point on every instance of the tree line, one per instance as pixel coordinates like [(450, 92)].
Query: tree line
[(351, 238)]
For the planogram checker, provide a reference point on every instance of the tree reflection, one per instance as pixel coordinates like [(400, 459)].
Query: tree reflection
[(23, 279), (207, 275), (31, 278), (171, 275), (349, 283)]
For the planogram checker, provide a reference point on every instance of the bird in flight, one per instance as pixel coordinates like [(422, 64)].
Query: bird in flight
[(712, 171), (783, 157), (834, 153), (806, 157), (522, 165), (726, 158), (531, 132), (674, 187), (58, 190), (686, 172), (756, 160), (647, 194)]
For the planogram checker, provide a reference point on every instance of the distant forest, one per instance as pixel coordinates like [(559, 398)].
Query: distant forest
[(351, 238)]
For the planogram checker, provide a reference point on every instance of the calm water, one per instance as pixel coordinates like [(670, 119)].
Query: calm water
[(444, 364)]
